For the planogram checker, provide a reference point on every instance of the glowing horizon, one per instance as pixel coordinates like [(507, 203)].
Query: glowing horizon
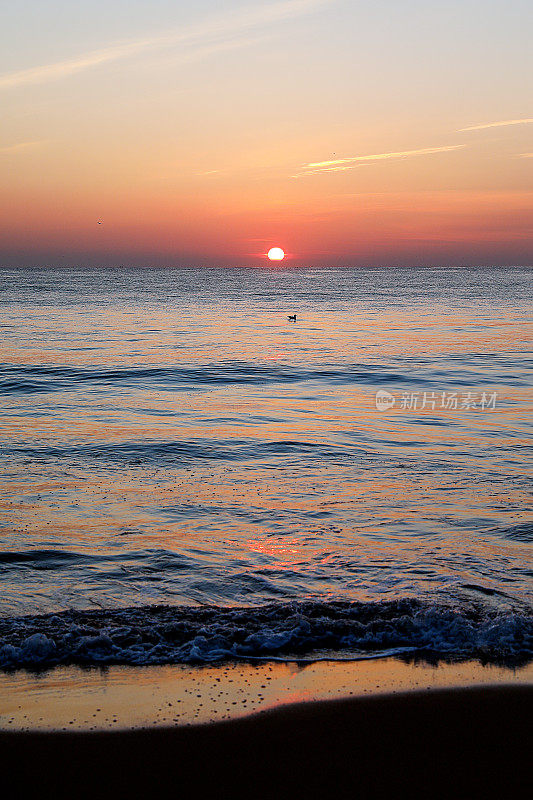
[(191, 136)]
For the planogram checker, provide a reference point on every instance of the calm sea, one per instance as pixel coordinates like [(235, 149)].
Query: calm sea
[(189, 476)]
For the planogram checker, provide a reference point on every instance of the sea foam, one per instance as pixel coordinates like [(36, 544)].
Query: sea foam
[(283, 631)]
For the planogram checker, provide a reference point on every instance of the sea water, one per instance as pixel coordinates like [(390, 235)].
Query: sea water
[(187, 475)]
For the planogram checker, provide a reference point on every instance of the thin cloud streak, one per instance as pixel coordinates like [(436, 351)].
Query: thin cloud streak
[(19, 147), (382, 156), (328, 169), (211, 29), (340, 164), (502, 124)]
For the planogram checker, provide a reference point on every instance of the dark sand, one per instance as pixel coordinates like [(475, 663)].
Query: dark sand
[(453, 743)]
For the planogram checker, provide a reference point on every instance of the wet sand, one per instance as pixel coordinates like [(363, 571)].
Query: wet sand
[(71, 698), (454, 743)]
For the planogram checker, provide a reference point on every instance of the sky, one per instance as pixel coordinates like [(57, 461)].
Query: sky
[(159, 132)]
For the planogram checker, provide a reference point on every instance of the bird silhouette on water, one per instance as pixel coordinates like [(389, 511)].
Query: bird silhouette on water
[(292, 317)]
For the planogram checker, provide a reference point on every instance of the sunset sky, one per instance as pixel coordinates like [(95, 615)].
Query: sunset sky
[(157, 132)]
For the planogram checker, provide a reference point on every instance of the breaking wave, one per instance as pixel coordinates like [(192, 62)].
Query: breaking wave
[(302, 631)]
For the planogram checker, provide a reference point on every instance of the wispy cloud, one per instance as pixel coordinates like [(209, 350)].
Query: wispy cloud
[(18, 148), (327, 169), (525, 155), (501, 124), (341, 164), (382, 156), (210, 30)]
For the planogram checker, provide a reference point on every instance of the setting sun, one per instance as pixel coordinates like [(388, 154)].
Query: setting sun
[(267, 454), (276, 254)]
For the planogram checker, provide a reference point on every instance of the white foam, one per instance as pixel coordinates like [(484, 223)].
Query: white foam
[(283, 631)]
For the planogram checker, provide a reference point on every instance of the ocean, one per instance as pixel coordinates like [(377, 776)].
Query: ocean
[(190, 477)]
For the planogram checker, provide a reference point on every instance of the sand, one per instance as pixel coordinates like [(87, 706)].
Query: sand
[(453, 743), (72, 698)]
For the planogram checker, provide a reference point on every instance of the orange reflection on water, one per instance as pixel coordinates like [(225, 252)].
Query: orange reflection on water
[(256, 442)]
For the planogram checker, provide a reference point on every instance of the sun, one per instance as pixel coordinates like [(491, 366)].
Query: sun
[(276, 254)]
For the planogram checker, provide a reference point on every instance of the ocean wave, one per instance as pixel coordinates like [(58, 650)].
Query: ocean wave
[(518, 533), (32, 379), (302, 631), (190, 451)]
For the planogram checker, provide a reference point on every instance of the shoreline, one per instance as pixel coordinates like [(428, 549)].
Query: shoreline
[(126, 698), (363, 729), (451, 742)]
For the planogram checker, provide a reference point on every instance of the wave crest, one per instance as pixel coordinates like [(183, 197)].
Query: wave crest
[(285, 631)]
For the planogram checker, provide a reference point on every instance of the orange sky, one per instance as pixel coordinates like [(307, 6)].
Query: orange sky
[(344, 134)]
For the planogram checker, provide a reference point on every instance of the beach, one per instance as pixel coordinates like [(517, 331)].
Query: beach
[(324, 729), (248, 556), (266, 400), (135, 697), (458, 743)]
